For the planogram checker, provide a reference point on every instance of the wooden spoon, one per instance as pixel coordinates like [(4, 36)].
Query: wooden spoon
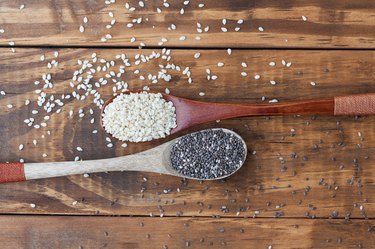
[(155, 160), (190, 112)]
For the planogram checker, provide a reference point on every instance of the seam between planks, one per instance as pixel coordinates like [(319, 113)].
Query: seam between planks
[(182, 216), (187, 47)]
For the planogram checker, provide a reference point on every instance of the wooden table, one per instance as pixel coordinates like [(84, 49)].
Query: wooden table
[(308, 182)]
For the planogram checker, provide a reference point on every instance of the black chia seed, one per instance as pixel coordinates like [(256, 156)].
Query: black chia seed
[(208, 154)]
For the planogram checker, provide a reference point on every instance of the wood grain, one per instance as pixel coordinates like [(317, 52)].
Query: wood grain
[(332, 24), (140, 232), (297, 166)]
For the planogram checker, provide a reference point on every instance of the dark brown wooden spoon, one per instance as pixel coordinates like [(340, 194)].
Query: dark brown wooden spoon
[(190, 112)]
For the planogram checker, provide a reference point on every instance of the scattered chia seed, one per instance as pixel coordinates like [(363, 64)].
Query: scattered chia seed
[(208, 154)]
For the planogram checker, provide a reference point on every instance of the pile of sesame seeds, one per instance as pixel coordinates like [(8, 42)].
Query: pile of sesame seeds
[(139, 117), (208, 154)]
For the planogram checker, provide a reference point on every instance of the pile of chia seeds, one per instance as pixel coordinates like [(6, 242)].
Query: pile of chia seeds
[(208, 154)]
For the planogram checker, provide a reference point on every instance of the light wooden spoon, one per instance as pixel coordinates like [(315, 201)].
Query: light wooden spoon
[(155, 160)]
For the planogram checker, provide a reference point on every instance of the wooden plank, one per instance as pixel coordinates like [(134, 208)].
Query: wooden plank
[(297, 166), (133, 232), (332, 24)]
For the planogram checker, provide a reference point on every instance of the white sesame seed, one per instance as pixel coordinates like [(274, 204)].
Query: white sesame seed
[(312, 83), (220, 64), (85, 19), (304, 18), (20, 147), (229, 51), (261, 29), (202, 94), (79, 149), (257, 77), (32, 205)]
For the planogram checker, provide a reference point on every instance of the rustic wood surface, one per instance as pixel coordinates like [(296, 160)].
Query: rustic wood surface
[(328, 24), (141, 232), (314, 173), (297, 166)]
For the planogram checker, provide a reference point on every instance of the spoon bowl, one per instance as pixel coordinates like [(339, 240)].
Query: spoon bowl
[(156, 160)]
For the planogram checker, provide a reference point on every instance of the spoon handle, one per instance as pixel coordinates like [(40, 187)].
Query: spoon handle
[(18, 172), (147, 161), (357, 104)]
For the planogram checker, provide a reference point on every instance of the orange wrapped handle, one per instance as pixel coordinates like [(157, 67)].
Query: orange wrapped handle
[(12, 172), (359, 104)]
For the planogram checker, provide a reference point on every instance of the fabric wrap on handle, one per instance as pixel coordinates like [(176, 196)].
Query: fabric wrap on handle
[(12, 172), (360, 104)]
